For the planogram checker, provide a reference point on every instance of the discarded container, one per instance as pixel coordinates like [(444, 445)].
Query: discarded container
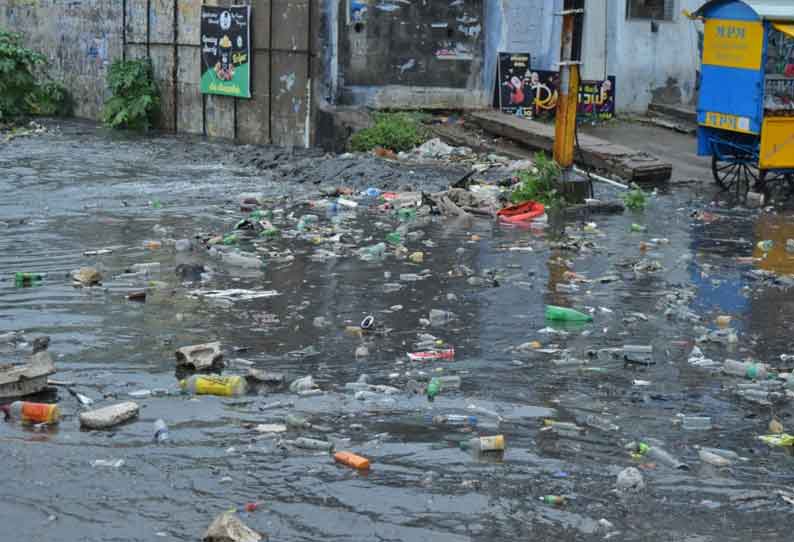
[(696, 423), (433, 355), (781, 439), (753, 371), (601, 423), (27, 279), (656, 454), (714, 459), (484, 444), (137, 296), (161, 431), (439, 317), (449, 382), (297, 422), (224, 386), (152, 245), (149, 267), (27, 412), (394, 238), (302, 384), (352, 460), (433, 389), (313, 444), (454, 419), (417, 257), (566, 314), (200, 357), (104, 418), (630, 480), (86, 276), (553, 500)]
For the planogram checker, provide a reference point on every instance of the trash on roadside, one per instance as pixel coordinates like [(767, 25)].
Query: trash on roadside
[(200, 357), (227, 527), (223, 386), (33, 413), (352, 460), (566, 315), (161, 433), (630, 480), (86, 276), (109, 416)]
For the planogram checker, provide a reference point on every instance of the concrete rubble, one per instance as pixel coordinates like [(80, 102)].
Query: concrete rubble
[(200, 357), (109, 416)]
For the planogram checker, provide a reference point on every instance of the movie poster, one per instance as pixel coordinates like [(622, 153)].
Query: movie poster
[(596, 98), (226, 50), (515, 95)]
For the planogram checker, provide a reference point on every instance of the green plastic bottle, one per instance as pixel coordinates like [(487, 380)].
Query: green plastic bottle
[(566, 314), (554, 500), (25, 279), (394, 238), (230, 239), (406, 213), (433, 388)]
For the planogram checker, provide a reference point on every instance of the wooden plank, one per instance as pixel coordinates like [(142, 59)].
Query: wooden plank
[(628, 163)]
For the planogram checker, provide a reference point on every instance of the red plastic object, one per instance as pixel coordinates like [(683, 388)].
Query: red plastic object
[(524, 212), (433, 355)]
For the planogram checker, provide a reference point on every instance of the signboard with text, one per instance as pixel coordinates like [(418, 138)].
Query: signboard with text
[(226, 51), (515, 94)]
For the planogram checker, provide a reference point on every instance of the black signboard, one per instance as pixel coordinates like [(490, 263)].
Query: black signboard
[(226, 50), (515, 95)]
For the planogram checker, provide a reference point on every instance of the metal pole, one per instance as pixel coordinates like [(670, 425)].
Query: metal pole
[(124, 30), (175, 73)]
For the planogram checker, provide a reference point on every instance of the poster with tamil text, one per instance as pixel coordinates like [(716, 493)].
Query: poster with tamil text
[(226, 51)]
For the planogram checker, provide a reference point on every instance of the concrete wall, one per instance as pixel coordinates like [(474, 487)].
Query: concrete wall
[(651, 66), (79, 39), (82, 37)]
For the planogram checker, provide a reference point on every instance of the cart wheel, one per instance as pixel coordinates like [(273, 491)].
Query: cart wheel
[(738, 172)]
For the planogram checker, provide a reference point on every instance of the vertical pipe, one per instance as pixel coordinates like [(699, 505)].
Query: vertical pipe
[(565, 124), (203, 96), (309, 76), (175, 73), (124, 30), (270, 75), (235, 118), (148, 26)]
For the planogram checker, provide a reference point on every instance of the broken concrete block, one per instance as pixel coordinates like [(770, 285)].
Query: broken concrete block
[(227, 527), (200, 356), (86, 276), (104, 418)]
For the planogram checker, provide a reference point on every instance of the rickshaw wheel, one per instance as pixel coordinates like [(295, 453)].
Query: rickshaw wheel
[(737, 172)]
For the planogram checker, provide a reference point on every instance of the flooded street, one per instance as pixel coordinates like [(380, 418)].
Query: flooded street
[(665, 282)]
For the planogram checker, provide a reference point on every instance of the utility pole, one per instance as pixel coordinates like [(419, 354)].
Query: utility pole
[(574, 189)]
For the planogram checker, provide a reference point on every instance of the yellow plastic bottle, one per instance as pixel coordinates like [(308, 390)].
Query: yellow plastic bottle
[(225, 386), (34, 412)]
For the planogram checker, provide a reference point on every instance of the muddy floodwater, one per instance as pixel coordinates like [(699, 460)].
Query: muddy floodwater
[(687, 260)]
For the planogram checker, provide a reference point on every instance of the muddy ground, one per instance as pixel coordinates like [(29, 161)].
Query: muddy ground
[(80, 188)]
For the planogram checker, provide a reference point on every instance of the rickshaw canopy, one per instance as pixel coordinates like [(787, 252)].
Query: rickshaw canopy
[(768, 10)]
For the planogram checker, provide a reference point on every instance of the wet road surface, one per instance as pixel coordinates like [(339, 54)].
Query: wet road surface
[(84, 189)]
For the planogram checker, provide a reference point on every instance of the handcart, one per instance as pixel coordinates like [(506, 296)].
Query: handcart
[(746, 102)]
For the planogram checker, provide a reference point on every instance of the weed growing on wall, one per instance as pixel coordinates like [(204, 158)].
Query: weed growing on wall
[(395, 131), (541, 183), (23, 89), (136, 100)]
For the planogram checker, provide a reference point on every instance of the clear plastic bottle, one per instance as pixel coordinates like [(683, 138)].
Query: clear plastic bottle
[(449, 382), (454, 419), (161, 431), (753, 371), (601, 423), (225, 386), (28, 412), (484, 444), (297, 422), (313, 444)]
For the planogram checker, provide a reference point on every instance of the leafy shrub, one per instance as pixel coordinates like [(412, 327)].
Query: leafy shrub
[(50, 99), (635, 199), (395, 131), (541, 183), (17, 80), (135, 102)]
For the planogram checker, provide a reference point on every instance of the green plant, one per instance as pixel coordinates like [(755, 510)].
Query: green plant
[(540, 184), (394, 131), (50, 99), (17, 80), (136, 100), (635, 199)]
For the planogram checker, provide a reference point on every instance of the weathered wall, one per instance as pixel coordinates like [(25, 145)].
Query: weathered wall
[(653, 66), (79, 38), (427, 54), (82, 37)]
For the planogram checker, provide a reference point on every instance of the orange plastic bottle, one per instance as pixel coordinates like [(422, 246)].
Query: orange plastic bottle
[(352, 460), (34, 412)]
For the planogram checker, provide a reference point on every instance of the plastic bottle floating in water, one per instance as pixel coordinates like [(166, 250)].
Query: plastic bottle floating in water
[(225, 386), (566, 314), (33, 412)]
